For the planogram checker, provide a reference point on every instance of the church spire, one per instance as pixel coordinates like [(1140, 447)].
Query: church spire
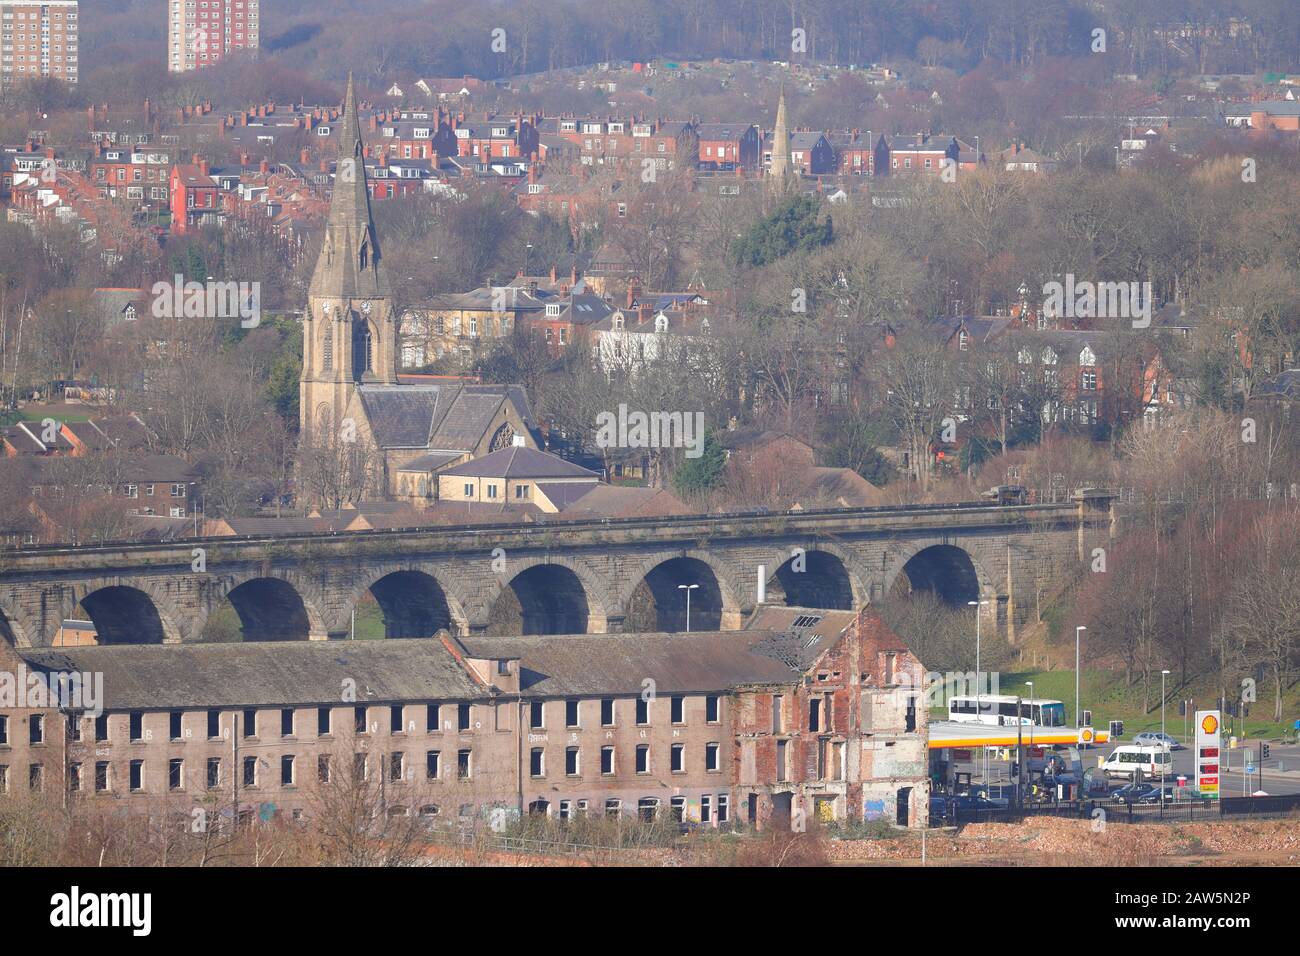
[(779, 171), (349, 263)]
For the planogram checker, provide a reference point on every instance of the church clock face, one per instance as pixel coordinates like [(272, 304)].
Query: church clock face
[(503, 438), (365, 307)]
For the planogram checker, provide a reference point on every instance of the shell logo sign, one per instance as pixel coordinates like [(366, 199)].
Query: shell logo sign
[(1086, 735), (1208, 743)]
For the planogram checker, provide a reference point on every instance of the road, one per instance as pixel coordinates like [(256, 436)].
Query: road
[(1279, 774), (1280, 771)]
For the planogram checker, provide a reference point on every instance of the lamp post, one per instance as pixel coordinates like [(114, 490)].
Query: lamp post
[(1020, 758), (979, 713), (688, 588), (1020, 719), (977, 605), (1163, 675), (1078, 719)]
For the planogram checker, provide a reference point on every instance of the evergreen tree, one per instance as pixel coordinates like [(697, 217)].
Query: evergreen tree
[(698, 475)]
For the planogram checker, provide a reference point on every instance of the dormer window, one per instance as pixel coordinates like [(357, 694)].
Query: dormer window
[(618, 321), (552, 309), (661, 323), (963, 340)]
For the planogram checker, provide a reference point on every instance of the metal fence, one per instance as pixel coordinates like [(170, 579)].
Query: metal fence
[(1260, 806), (1169, 812)]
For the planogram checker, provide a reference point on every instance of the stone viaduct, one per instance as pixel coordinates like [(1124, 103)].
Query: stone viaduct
[(553, 578)]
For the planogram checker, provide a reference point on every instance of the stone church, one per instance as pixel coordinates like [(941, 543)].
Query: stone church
[(350, 378)]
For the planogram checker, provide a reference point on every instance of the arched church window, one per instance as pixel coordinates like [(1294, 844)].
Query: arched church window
[(504, 437), (327, 349), (322, 419), (363, 359)]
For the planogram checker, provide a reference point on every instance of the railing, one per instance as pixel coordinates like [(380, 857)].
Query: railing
[(576, 525)]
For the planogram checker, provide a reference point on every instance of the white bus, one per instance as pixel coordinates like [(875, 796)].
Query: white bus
[(1000, 711)]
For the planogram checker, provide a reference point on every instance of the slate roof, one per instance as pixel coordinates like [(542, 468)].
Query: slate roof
[(797, 636), (564, 494), (432, 461), (112, 303), (722, 131), (982, 328), (520, 462), (271, 674), (445, 416), (466, 418), (24, 437), (586, 309), (400, 416), (193, 177), (588, 665), (1277, 107), (257, 526), (611, 501), (1285, 385), (484, 298), (805, 140)]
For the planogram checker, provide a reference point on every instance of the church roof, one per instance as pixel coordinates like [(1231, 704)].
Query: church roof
[(400, 416), (448, 416), (467, 417)]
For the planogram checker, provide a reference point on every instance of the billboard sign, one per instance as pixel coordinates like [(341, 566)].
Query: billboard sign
[(1208, 745)]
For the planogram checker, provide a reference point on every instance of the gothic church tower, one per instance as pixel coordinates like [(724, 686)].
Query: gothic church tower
[(349, 327), (779, 172)]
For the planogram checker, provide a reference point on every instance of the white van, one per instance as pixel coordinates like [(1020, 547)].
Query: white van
[(1127, 760)]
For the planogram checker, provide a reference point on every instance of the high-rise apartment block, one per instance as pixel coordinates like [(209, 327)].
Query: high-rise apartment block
[(38, 39), (203, 32)]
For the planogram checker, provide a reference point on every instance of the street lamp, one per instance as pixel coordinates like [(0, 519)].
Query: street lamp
[(688, 588), (1030, 685), (977, 605), (979, 713), (1078, 720), (1163, 675)]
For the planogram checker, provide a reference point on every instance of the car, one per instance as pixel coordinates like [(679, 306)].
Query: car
[(1154, 738), (1132, 792), (971, 801), (1153, 796)]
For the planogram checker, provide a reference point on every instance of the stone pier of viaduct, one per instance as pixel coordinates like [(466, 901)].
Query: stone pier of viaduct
[(561, 577)]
